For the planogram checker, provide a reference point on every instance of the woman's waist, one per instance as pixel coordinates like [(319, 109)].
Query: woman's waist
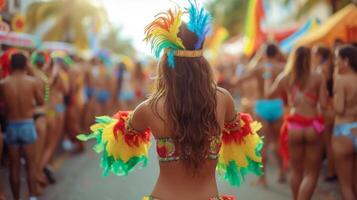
[(304, 111), (184, 187), (345, 119)]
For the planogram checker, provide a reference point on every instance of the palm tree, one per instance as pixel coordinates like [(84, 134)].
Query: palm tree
[(70, 19)]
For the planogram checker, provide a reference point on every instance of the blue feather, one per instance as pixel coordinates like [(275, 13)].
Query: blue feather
[(171, 58), (199, 22)]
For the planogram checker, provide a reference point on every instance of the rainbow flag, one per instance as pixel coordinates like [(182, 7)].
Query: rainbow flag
[(214, 43), (254, 35)]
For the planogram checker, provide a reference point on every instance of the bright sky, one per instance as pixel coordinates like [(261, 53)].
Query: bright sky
[(134, 15)]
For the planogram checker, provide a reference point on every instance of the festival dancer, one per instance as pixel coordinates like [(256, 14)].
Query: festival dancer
[(302, 128), (102, 95), (344, 142), (322, 63), (139, 80), (20, 135), (39, 62), (269, 111), (126, 94), (73, 98), (196, 127), (55, 114), (89, 109)]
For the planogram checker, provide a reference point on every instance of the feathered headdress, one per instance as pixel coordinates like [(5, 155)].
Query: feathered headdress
[(162, 33)]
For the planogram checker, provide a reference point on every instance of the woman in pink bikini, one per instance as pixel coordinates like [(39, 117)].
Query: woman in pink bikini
[(300, 138), (194, 123)]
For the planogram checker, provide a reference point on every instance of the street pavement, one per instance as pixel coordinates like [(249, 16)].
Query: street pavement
[(79, 177)]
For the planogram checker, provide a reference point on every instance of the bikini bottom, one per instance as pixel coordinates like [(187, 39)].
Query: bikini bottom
[(224, 197), (346, 130)]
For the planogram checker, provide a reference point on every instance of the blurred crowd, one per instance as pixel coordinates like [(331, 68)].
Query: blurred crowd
[(49, 97), (306, 102)]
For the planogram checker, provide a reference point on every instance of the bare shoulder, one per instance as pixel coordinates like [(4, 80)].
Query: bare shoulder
[(31, 80), (143, 108), (224, 94)]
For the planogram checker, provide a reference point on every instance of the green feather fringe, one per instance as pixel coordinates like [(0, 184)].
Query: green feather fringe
[(108, 163), (234, 174)]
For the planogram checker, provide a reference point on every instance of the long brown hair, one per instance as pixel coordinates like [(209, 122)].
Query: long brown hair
[(349, 52), (299, 66), (189, 94)]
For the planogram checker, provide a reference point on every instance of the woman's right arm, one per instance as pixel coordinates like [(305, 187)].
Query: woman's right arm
[(277, 87)]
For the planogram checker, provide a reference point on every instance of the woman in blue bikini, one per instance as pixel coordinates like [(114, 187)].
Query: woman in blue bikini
[(344, 142), (269, 110)]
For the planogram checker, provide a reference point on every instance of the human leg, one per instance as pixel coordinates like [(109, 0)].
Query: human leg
[(342, 148), (14, 158), (29, 152), (296, 153), (40, 148), (50, 141), (275, 140), (312, 162), (331, 172)]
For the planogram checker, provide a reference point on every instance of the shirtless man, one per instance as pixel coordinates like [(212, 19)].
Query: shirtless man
[(269, 111), (344, 141), (20, 135)]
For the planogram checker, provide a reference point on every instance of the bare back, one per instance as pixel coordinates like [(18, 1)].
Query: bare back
[(20, 94), (269, 72), (175, 181), (304, 101), (265, 74), (345, 98)]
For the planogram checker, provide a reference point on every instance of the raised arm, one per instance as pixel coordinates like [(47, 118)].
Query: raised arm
[(250, 74), (277, 87), (38, 91)]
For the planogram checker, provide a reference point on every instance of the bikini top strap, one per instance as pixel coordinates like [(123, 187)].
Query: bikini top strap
[(297, 92)]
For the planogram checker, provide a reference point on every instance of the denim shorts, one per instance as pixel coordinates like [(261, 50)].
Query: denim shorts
[(20, 133)]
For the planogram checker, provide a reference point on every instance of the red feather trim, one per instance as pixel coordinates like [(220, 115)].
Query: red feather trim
[(132, 139), (238, 135)]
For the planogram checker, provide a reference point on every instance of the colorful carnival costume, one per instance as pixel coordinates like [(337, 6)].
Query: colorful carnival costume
[(123, 149), (297, 122)]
